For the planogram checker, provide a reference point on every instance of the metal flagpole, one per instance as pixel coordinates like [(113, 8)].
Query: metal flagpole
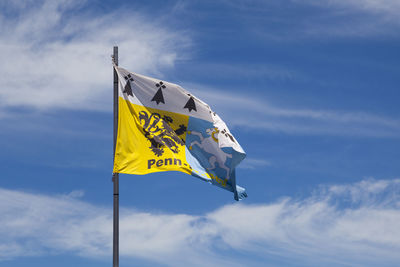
[(116, 175)]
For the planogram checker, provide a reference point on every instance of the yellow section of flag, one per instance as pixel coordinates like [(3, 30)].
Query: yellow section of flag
[(150, 140)]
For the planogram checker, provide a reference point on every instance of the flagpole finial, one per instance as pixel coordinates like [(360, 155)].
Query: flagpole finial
[(114, 56)]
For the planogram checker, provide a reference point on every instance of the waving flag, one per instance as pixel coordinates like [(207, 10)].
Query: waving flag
[(163, 127)]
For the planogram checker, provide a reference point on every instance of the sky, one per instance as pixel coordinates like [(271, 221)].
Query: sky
[(308, 88)]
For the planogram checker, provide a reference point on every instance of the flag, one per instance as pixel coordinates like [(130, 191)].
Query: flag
[(163, 127)]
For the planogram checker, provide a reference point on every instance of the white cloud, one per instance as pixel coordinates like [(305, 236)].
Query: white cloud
[(250, 163), (251, 113), (385, 7), (76, 194), (353, 18), (350, 224), (58, 56), (319, 19)]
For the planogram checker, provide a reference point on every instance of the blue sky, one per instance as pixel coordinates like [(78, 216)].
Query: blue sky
[(309, 89)]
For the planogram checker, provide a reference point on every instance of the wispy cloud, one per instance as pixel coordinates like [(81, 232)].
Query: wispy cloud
[(255, 71), (348, 224), (242, 110), (324, 19), (59, 54), (387, 8), (251, 164), (353, 18)]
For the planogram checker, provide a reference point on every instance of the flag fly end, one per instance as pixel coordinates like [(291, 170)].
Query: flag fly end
[(240, 193)]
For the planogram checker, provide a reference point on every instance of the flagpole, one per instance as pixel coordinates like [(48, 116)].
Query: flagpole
[(115, 175)]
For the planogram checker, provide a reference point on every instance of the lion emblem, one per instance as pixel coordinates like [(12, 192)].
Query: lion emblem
[(209, 144), (160, 134)]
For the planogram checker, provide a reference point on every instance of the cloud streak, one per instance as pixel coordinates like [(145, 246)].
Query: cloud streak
[(319, 20), (252, 163), (348, 224), (388, 8), (241, 110), (353, 18)]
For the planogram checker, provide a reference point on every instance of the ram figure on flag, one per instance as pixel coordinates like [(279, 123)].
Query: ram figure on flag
[(163, 127)]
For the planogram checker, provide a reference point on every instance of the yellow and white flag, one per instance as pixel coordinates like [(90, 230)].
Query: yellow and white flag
[(163, 127)]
